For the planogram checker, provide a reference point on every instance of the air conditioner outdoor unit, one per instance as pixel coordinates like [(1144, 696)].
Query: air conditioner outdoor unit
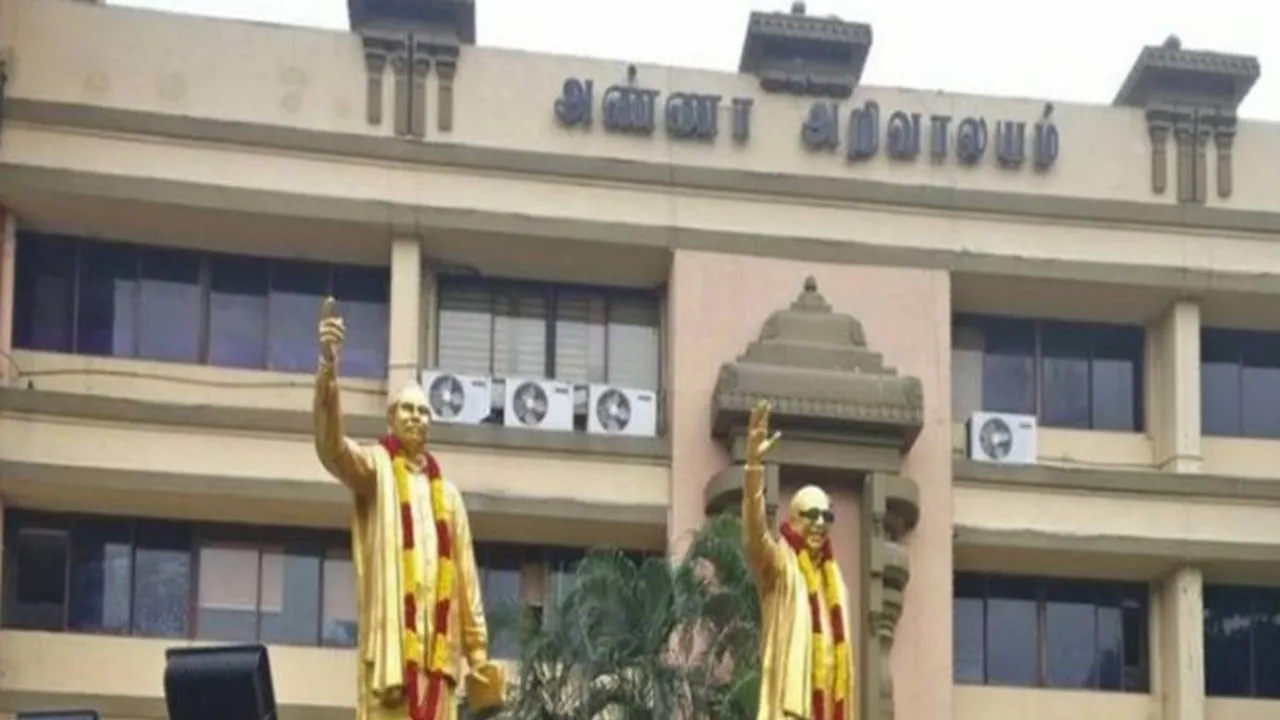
[(1002, 438), (621, 411), (460, 399), (538, 405)]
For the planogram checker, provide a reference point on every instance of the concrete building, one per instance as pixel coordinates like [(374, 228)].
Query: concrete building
[(179, 193)]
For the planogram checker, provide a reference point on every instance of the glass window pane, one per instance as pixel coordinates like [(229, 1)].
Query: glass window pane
[(1260, 385), (38, 572), (289, 594), (297, 289), (1064, 367), (339, 628), (171, 310), (633, 344), (501, 580), (464, 334), (44, 293), (1071, 635), (520, 333), (1266, 643), (967, 344), (581, 319), (1008, 367), (363, 295), (227, 606), (969, 631), (1228, 629), (107, 305), (238, 289), (101, 575), (162, 579), (1110, 668), (1117, 378), (1220, 398), (1012, 633)]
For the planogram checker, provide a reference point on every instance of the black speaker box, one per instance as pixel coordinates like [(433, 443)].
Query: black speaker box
[(219, 683)]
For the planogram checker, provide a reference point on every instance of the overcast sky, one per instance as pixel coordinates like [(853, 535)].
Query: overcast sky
[(1068, 50)]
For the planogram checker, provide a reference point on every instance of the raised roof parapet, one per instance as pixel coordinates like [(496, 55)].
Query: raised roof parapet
[(805, 55), (1192, 94)]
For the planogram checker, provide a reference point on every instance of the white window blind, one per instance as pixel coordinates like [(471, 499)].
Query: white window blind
[(465, 340), (581, 319), (633, 342), (503, 330), (520, 333)]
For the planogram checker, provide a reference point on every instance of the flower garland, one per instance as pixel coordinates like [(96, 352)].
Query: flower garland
[(411, 579), (828, 585)]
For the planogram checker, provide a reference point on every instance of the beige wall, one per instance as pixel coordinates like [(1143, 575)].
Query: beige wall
[(315, 79), (718, 304)]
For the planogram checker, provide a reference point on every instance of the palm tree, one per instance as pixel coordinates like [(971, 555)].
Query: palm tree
[(646, 639)]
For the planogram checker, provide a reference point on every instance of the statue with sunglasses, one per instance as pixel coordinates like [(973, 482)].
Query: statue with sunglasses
[(808, 660)]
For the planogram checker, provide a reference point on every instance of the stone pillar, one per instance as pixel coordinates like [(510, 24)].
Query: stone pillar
[(1179, 666), (404, 331), (1173, 387), (8, 273)]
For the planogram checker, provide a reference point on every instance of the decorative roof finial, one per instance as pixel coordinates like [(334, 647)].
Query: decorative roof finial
[(810, 284), (1173, 42), (797, 7)]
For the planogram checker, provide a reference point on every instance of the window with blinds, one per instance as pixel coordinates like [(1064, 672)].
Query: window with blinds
[(569, 333)]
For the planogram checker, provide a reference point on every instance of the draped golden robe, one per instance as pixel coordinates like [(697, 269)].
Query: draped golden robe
[(786, 685), (375, 546)]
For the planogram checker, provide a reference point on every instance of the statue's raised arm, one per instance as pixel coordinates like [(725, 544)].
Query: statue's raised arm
[(339, 454), (763, 552)]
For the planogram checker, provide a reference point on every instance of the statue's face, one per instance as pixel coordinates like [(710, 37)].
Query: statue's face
[(410, 418), (811, 515)]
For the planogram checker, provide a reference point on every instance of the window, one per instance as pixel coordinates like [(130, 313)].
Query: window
[(141, 577), (1241, 641), (1031, 632), (113, 299), (1073, 375), (1240, 383), (570, 333)]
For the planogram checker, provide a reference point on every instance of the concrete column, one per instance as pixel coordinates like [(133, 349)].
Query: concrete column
[(404, 332), (1179, 664), (8, 256), (1173, 387)]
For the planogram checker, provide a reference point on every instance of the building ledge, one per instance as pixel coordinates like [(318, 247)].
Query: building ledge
[(1116, 480), (264, 420)]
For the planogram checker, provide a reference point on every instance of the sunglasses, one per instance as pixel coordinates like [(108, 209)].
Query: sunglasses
[(814, 514)]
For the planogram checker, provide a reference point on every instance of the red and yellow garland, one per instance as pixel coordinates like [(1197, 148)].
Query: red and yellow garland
[(410, 576), (829, 586)]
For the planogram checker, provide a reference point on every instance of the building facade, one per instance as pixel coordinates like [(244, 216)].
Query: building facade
[(178, 194)]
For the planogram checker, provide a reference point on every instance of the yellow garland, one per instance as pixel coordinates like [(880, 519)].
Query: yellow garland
[(411, 569), (831, 596)]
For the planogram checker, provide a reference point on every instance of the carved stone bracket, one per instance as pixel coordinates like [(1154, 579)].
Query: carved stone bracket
[(839, 407), (1224, 135), (377, 50), (446, 68), (890, 510), (401, 67), (1192, 93), (420, 68)]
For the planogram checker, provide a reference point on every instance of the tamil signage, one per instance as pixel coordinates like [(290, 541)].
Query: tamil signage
[(903, 135), (629, 108), (865, 131)]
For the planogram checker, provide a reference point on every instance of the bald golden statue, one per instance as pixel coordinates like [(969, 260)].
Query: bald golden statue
[(421, 616), (808, 661)]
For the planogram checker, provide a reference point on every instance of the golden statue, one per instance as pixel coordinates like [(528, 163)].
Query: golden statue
[(420, 612), (807, 671)]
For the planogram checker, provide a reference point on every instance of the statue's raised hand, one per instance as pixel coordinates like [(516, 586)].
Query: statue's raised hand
[(759, 441), (332, 332)]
